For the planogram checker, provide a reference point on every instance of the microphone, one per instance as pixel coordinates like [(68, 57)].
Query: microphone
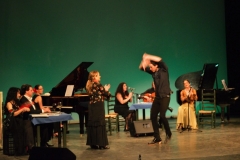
[(131, 89)]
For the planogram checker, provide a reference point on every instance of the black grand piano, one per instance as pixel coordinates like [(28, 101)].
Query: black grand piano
[(78, 98), (205, 79)]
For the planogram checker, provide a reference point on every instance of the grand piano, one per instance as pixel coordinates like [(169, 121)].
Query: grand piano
[(205, 79), (78, 98)]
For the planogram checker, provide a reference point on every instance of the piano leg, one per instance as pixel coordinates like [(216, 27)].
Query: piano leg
[(83, 115), (82, 111), (223, 111), (228, 112)]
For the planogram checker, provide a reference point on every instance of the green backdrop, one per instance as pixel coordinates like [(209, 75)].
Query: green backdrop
[(43, 41)]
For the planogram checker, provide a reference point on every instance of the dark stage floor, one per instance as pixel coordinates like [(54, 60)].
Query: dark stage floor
[(220, 143)]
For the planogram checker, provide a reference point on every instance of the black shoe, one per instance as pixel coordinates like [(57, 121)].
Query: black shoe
[(168, 138), (104, 147), (155, 140), (49, 145), (94, 147), (170, 109)]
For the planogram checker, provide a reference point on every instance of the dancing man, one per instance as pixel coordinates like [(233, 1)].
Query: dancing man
[(159, 71)]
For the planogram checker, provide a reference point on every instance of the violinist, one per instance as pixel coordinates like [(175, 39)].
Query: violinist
[(148, 96), (188, 97)]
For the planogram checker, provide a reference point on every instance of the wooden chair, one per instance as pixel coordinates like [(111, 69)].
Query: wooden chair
[(111, 117), (208, 108), (114, 120)]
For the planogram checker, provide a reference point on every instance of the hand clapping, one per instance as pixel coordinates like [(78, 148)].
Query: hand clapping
[(107, 87)]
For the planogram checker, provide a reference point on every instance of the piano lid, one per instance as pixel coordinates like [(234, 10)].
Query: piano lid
[(78, 77), (208, 76), (193, 77), (203, 79)]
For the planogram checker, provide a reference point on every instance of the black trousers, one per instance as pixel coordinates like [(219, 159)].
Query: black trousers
[(28, 133), (160, 105)]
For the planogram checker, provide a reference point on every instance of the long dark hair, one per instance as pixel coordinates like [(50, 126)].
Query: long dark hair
[(12, 96), (120, 90)]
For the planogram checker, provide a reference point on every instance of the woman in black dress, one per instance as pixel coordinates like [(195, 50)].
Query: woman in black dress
[(46, 129), (13, 143), (96, 130), (121, 104)]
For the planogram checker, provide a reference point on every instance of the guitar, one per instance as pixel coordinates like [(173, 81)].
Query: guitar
[(148, 97)]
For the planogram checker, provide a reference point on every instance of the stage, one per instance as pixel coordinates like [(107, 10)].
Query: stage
[(219, 143)]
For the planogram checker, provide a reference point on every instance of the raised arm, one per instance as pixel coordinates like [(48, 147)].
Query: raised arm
[(146, 58), (122, 100), (39, 100)]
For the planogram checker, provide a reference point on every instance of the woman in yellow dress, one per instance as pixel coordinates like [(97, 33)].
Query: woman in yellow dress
[(188, 97)]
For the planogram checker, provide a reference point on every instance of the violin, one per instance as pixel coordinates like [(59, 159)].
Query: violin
[(148, 97)]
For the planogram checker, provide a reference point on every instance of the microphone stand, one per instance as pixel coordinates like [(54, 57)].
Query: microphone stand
[(188, 126), (188, 100)]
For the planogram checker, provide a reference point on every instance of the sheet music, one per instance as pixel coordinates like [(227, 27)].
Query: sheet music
[(40, 115), (225, 86), (69, 90)]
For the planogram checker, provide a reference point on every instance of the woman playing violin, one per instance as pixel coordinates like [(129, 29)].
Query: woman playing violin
[(188, 97)]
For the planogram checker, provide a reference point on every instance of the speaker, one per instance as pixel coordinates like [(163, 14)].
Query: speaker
[(141, 128), (50, 153)]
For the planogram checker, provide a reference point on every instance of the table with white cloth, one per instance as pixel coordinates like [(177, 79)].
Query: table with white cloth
[(141, 105), (38, 119)]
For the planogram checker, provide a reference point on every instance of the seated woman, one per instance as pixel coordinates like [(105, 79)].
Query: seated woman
[(46, 130), (188, 96), (13, 137), (122, 97)]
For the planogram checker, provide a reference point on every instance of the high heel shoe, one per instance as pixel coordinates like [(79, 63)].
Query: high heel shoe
[(104, 147), (180, 130)]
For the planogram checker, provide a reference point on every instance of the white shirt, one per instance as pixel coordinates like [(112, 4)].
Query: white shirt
[(30, 100)]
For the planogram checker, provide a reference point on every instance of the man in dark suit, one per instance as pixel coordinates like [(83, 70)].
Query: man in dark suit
[(26, 100)]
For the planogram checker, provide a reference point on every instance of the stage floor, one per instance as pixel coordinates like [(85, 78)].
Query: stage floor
[(222, 142)]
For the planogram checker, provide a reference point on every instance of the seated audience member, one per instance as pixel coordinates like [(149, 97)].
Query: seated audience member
[(122, 97), (46, 130), (13, 137), (188, 96), (27, 92), (148, 96)]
